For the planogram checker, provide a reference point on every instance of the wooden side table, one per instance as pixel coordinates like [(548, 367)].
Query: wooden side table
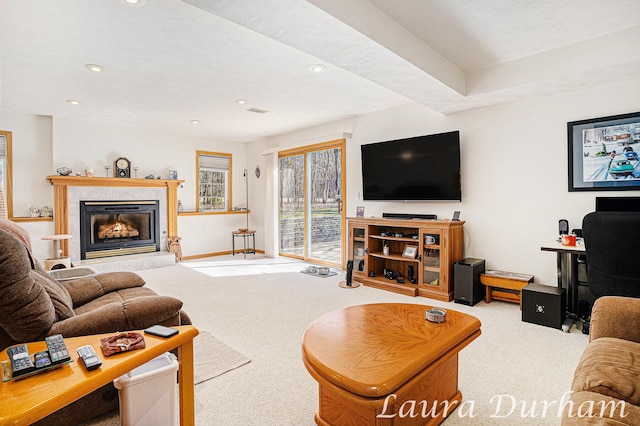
[(505, 286), (33, 398), (370, 359)]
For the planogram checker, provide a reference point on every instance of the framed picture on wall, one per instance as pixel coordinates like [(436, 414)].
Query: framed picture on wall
[(360, 211), (604, 153), (173, 174)]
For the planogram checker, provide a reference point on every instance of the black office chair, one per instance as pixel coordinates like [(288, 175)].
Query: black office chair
[(611, 241)]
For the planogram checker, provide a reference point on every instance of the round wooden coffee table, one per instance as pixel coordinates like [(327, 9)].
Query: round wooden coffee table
[(371, 359)]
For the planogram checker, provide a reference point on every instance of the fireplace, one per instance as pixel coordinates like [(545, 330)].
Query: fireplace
[(114, 228)]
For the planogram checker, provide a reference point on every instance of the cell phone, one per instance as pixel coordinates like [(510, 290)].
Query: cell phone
[(161, 331)]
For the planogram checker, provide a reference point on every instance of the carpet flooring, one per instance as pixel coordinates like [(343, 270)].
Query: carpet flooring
[(261, 308)]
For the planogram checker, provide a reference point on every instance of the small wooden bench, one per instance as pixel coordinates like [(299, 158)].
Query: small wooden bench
[(504, 286)]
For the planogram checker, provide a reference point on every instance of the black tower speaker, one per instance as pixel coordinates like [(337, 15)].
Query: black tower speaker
[(411, 274), (349, 272), (467, 288), (563, 226)]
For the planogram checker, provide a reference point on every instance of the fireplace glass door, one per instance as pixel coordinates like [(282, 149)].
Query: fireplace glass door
[(113, 228)]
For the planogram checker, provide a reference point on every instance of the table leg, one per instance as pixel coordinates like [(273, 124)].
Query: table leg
[(233, 245), (487, 294), (559, 258), (572, 283), (186, 384)]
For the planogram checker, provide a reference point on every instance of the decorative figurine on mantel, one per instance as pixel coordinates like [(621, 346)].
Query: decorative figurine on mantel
[(64, 171), (46, 211), (34, 211)]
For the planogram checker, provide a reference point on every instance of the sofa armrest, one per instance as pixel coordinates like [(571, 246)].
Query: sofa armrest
[(84, 290), (133, 314), (616, 316)]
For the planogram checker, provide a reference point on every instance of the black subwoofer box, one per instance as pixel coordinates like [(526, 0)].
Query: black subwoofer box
[(467, 288), (544, 305)]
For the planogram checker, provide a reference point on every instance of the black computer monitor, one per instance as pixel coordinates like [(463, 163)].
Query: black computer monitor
[(618, 204)]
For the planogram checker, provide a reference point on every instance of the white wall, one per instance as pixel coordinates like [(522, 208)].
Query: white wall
[(43, 144), (514, 170), (513, 194), (32, 156), (78, 144)]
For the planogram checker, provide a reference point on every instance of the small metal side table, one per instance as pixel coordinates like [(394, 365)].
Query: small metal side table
[(249, 240)]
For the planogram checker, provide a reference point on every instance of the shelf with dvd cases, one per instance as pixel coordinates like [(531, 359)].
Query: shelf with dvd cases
[(357, 250), (408, 256)]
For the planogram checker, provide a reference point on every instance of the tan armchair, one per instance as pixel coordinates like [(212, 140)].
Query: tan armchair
[(606, 383), (33, 305)]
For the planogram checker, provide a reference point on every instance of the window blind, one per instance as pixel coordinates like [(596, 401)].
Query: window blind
[(214, 162)]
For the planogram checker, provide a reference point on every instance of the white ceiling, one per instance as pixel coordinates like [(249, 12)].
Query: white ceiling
[(171, 61)]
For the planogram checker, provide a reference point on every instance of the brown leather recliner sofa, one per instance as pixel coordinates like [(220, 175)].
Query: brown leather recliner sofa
[(33, 305), (606, 383)]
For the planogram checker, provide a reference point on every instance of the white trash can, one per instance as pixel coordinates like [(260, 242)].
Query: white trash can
[(148, 393)]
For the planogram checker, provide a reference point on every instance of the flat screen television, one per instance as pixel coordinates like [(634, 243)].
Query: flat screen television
[(618, 204), (421, 168)]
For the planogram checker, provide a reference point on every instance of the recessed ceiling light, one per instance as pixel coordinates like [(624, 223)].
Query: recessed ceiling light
[(73, 102), (94, 67), (241, 101), (317, 68), (195, 121)]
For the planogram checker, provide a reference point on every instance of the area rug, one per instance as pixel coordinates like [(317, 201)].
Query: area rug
[(212, 358)]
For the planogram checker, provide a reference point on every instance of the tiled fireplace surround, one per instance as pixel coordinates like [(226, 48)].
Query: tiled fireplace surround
[(70, 190)]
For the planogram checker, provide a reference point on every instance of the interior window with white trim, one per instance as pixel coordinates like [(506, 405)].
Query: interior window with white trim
[(214, 181)]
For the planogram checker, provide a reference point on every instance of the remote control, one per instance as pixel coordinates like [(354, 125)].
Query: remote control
[(57, 349), (20, 360), (42, 359), (89, 357)]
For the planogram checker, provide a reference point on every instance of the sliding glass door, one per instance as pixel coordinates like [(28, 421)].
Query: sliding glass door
[(311, 211)]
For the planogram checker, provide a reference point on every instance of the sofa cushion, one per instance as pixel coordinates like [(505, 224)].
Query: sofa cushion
[(26, 310), (85, 290), (17, 231), (611, 367), (59, 295), (119, 296), (591, 408), (121, 311)]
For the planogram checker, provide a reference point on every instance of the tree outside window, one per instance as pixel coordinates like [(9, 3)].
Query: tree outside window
[(214, 181)]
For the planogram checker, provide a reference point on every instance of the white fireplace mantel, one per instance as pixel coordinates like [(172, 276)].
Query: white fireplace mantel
[(68, 190)]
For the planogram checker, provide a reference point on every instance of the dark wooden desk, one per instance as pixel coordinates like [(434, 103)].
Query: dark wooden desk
[(570, 254), (31, 399)]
